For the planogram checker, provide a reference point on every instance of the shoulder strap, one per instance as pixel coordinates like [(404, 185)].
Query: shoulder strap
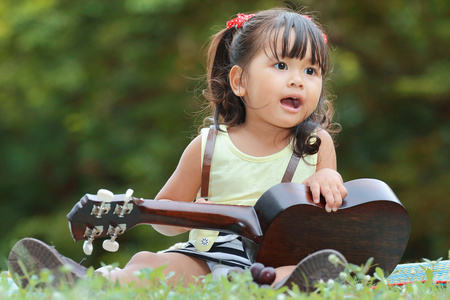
[(290, 170), (207, 158)]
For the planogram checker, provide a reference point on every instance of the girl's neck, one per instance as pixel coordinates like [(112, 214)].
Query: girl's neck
[(256, 140)]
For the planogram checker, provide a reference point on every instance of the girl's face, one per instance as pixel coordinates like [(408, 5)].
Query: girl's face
[(280, 92)]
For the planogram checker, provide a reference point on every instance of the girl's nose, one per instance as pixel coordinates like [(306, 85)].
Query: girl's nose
[(296, 80)]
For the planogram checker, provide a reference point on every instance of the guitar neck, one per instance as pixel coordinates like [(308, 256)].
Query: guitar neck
[(241, 220)]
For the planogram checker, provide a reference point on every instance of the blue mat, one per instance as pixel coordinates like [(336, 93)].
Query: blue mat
[(7, 285), (416, 272)]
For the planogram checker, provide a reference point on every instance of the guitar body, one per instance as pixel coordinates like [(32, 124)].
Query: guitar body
[(370, 223)]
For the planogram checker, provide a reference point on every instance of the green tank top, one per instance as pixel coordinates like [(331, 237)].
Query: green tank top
[(240, 179)]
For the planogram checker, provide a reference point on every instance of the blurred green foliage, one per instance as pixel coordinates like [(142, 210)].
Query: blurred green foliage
[(106, 94)]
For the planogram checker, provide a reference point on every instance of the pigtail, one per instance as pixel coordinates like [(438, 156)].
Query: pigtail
[(226, 106), (306, 142)]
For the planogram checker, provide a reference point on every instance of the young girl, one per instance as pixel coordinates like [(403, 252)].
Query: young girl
[(266, 76)]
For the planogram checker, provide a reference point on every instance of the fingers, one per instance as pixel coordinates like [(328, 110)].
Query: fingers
[(327, 183), (343, 191), (333, 194), (333, 198), (315, 191)]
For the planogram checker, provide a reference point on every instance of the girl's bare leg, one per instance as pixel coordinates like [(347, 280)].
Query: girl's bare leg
[(283, 272), (185, 267)]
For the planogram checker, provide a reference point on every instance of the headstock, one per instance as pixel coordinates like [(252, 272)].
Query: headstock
[(108, 215), (102, 215)]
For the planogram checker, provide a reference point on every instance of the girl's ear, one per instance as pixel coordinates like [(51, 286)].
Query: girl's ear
[(236, 81)]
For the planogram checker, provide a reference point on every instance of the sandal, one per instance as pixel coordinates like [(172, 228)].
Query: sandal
[(313, 268), (30, 256)]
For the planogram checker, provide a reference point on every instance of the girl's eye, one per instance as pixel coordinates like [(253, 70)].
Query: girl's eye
[(310, 71), (281, 66)]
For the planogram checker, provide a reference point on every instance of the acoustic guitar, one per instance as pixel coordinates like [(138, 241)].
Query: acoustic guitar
[(283, 227)]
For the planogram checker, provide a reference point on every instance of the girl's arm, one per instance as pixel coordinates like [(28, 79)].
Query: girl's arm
[(184, 183), (327, 181)]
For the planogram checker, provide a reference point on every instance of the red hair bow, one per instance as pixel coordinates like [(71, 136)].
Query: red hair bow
[(242, 18), (239, 21), (325, 38)]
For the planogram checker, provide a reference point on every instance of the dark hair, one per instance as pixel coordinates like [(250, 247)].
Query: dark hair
[(237, 46)]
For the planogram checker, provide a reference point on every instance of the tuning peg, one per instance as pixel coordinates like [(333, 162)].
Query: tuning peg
[(110, 245), (128, 195), (88, 247), (105, 196), (126, 208), (91, 234), (113, 231)]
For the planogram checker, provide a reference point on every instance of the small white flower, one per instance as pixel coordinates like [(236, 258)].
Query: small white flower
[(281, 297), (333, 259), (330, 282)]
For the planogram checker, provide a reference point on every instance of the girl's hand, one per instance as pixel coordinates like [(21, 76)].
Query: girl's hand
[(328, 183)]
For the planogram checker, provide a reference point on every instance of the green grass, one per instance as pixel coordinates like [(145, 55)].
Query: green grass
[(354, 283)]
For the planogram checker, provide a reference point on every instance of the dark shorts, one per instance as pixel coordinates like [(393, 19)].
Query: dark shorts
[(227, 250)]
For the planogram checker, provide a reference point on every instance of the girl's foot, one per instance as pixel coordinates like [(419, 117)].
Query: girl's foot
[(30, 256), (313, 268)]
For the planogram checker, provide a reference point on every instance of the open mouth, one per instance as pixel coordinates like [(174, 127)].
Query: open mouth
[(291, 102)]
